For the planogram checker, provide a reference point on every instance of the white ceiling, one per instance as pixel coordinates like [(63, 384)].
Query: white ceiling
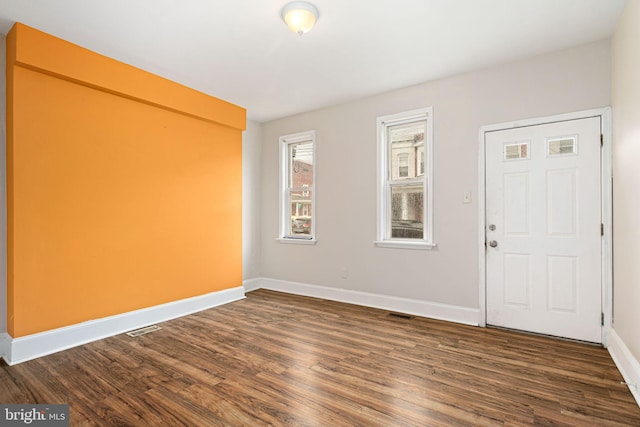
[(241, 51)]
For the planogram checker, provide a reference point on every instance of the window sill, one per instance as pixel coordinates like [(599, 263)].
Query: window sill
[(297, 241), (397, 244)]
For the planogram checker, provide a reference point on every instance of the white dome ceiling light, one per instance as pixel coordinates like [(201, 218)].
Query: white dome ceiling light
[(300, 16)]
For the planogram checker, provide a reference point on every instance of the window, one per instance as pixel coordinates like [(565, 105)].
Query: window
[(297, 196), (405, 188), (516, 151), (561, 146)]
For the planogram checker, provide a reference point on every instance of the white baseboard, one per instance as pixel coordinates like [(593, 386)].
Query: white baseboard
[(451, 313), (252, 284), (18, 350), (627, 364)]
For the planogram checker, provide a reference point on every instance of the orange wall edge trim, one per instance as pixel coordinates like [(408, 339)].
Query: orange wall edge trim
[(34, 49), (10, 52)]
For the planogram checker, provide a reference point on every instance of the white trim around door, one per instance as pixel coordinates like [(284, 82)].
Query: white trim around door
[(606, 181)]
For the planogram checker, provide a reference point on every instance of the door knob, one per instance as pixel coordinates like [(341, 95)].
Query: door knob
[(493, 243)]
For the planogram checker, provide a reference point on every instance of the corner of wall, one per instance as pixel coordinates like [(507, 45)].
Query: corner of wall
[(251, 199), (627, 364), (3, 198), (625, 100), (5, 346)]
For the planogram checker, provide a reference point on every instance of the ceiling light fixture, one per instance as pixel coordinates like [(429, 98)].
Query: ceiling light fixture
[(300, 16)]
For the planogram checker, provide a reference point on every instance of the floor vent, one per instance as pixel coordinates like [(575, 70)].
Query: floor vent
[(401, 315), (143, 331)]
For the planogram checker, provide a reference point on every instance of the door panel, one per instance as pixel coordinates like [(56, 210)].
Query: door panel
[(543, 260)]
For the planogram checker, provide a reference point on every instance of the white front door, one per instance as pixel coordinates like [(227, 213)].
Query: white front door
[(543, 229)]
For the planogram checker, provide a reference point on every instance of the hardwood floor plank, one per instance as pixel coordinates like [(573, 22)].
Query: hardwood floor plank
[(288, 360), (330, 398), (229, 412), (408, 403)]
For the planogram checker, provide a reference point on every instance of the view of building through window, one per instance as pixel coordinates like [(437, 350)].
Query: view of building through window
[(301, 187), (407, 146)]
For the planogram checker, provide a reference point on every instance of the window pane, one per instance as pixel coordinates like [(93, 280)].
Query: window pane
[(301, 164), (403, 165), (301, 213), (297, 186), (407, 145), (562, 146), (405, 158), (407, 205), (516, 151)]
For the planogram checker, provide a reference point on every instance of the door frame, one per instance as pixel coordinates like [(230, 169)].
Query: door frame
[(606, 206)]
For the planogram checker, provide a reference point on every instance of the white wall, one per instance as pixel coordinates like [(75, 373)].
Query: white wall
[(3, 186), (571, 80), (626, 175), (251, 167)]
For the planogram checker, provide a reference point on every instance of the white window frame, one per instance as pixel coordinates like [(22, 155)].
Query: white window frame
[(384, 238), (285, 208)]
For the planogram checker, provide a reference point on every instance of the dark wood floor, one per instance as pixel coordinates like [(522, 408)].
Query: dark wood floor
[(278, 359)]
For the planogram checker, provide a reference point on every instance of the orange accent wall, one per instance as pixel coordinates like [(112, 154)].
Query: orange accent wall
[(123, 189)]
